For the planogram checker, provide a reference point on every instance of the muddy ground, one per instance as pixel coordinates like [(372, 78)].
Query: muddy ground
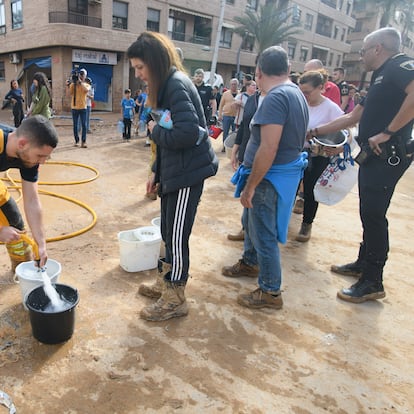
[(316, 355)]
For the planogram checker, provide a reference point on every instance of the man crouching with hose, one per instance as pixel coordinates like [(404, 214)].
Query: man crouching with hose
[(24, 148)]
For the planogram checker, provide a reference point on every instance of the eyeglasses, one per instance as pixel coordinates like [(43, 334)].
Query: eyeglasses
[(363, 51)]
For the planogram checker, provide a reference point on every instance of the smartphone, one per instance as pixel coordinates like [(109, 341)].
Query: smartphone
[(361, 157)]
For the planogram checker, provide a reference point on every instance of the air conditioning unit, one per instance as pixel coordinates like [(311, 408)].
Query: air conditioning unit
[(14, 58)]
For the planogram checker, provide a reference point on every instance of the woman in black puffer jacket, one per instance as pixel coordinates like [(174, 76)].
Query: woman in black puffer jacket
[(184, 160)]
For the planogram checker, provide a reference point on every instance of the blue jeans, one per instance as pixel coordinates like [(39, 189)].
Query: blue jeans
[(260, 239), (76, 114), (88, 115), (228, 122)]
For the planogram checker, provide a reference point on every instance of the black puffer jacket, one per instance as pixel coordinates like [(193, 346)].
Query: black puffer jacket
[(181, 160)]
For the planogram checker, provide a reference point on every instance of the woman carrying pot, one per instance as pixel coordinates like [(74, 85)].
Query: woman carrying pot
[(321, 111), (183, 161), (41, 96)]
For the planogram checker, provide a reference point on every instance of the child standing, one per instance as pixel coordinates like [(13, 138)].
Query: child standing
[(128, 109)]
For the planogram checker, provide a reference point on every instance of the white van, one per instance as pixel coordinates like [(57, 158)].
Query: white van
[(218, 80)]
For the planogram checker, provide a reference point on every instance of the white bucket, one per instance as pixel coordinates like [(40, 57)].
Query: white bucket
[(229, 142), (139, 248), (156, 221), (29, 276)]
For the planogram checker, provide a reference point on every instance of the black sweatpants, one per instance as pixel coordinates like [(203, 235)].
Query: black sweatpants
[(178, 211)]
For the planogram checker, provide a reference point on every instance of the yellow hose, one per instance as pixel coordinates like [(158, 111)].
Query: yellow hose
[(70, 199)]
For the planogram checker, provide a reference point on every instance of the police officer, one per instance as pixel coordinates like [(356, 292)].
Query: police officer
[(338, 76), (385, 119), (206, 94)]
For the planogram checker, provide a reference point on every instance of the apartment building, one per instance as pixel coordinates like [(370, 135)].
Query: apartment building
[(54, 36)]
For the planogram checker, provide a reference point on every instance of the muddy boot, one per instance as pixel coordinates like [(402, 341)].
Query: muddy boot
[(304, 233), (19, 251), (155, 290), (352, 269), (171, 304)]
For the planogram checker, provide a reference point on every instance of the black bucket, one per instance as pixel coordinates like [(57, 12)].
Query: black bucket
[(52, 327)]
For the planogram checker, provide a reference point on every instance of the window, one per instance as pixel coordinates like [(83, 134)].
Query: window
[(330, 60), (336, 31), (229, 1), (17, 14), (2, 71), (202, 31), (120, 15), (338, 61), (349, 8), (291, 50), (248, 43), (226, 37), (324, 25), (153, 20), (176, 28), (78, 7), (2, 18), (252, 4), (303, 54), (358, 26), (330, 3), (343, 36), (308, 21)]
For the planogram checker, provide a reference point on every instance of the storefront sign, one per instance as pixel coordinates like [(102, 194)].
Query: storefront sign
[(93, 56)]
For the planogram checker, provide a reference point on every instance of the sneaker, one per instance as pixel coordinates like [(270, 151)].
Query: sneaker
[(304, 233), (298, 208), (151, 196), (362, 291), (260, 299), (76, 144), (236, 237), (84, 145), (240, 269), (350, 269)]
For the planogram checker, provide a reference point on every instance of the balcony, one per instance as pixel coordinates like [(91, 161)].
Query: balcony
[(74, 18), (182, 37)]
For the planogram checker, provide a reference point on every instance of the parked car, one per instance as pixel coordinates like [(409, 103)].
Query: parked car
[(218, 80)]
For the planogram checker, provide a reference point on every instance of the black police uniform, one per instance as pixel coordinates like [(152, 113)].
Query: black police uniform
[(206, 94), (378, 176)]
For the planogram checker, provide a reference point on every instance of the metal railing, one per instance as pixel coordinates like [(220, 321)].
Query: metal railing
[(74, 18), (182, 37)]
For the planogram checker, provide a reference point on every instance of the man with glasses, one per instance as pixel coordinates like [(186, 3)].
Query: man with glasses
[(385, 118)]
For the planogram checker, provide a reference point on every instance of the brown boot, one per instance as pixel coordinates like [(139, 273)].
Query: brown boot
[(304, 233), (171, 304), (260, 299), (240, 269), (154, 291)]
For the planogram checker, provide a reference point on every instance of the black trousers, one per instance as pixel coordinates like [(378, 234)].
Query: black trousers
[(127, 128), (310, 176), (178, 211), (376, 181)]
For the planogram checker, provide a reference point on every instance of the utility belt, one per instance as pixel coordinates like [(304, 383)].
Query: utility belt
[(396, 150)]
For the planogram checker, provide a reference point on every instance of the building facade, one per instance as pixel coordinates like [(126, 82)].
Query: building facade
[(57, 36)]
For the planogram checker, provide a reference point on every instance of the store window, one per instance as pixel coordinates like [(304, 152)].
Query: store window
[(17, 14)]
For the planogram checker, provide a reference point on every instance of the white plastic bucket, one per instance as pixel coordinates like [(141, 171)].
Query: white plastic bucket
[(29, 276), (156, 221), (139, 248)]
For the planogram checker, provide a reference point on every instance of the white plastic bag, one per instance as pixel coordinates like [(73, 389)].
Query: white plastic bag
[(336, 181)]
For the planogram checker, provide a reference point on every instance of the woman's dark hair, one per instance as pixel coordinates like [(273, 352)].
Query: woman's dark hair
[(158, 52), (314, 77), (11, 83), (42, 81)]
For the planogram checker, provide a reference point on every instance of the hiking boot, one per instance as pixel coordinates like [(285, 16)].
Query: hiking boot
[(154, 291), (351, 269), (298, 208), (171, 304), (362, 291), (260, 299), (240, 269), (304, 233), (236, 237)]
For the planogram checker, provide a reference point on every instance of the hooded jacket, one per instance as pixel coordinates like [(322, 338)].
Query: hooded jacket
[(185, 156)]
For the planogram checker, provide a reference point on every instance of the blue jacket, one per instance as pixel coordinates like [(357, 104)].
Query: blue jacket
[(285, 179)]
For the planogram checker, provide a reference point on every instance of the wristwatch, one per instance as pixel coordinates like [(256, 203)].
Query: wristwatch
[(388, 132)]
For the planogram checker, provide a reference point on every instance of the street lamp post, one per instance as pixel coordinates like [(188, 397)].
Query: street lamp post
[(217, 44)]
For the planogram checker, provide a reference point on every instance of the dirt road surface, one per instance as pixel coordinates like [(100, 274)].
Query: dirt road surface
[(316, 355)]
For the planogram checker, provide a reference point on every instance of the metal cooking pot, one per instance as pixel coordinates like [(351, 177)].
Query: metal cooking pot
[(336, 139)]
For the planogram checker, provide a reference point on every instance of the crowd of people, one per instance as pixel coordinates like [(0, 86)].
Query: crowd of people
[(274, 117)]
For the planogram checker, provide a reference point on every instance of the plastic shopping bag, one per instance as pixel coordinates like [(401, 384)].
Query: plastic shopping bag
[(336, 181)]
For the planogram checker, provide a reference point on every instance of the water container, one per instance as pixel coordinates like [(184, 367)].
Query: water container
[(139, 248), (29, 276)]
